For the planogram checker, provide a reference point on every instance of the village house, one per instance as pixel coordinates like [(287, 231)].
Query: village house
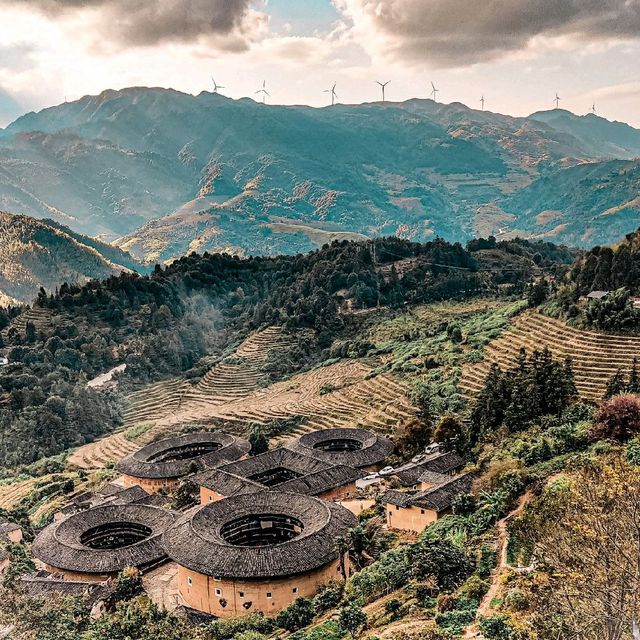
[(414, 510), (109, 494), (257, 552), (96, 544), (10, 531), (410, 474), (278, 470), (161, 465), (359, 448)]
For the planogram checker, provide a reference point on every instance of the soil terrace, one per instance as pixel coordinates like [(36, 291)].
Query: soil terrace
[(596, 356)]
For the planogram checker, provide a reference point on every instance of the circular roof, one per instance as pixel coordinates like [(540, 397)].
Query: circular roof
[(81, 542), (200, 541), (349, 447), (174, 457)]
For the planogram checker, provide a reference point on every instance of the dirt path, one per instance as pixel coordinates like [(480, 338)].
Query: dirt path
[(495, 589)]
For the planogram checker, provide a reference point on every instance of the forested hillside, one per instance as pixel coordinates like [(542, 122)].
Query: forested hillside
[(36, 254), (166, 322)]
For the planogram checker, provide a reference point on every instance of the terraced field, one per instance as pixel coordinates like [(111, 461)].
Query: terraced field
[(12, 494), (40, 318), (340, 394), (160, 402), (596, 356)]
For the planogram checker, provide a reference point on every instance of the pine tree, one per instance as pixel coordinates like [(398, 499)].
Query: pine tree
[(615, 386)]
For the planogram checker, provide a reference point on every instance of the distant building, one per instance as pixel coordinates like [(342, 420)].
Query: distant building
[(161, 465), (414, 510), (257, 552), (359, 448), (597, 295), (278, 470), (110, 494)]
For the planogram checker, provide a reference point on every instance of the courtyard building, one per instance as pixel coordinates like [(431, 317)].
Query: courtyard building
[(414, 510), (359, 448), (278, 470), (258, 552), (98, 543), (161, 465)]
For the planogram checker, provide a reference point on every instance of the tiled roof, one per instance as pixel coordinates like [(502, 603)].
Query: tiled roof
[(441, 463), (196, 541), (150, 461), (372, 448), (438, 498)]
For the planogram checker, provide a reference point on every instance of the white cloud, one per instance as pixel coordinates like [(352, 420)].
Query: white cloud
[(449, 33)]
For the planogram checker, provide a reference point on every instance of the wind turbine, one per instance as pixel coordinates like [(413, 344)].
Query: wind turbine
[(482, 102), (434, 92), (263, 91), (383, 85), (557, 100), (216, 86), (333, 93)]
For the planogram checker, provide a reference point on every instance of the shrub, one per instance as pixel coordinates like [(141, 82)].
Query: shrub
[(442, 560), (225, 629), (487, 561), (455, 621), (516, 600), (496, 628), (618, 419), (352, 618), (328, 597), (633, 451), (297, 615), (329, 630), (388, 573), (128, 584), (474, 588)]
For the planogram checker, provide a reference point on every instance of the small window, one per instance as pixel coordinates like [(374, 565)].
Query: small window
[(218, 592), (295, 590), (397, 508), (422, 511), (241, 594), (210, 498), (189, 581), (268, 594), (390, 513)]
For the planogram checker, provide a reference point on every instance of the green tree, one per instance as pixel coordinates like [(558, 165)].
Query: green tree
[(616, 385), (451, 434), (441, 560), (258, 440), (352, 619), (298, 614)]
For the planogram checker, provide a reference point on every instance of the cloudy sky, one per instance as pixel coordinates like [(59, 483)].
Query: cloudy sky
[(517, 53)]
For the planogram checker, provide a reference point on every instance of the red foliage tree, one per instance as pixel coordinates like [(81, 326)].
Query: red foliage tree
[(618, 419)]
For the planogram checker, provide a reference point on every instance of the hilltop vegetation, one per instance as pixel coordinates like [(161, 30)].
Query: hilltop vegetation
[(166, 322), (35, 254), (172, 173)]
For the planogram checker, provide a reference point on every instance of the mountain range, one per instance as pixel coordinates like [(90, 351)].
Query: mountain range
[(162, 173)]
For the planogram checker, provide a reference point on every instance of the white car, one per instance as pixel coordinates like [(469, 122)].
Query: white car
[(386, 471), (434, 447)]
